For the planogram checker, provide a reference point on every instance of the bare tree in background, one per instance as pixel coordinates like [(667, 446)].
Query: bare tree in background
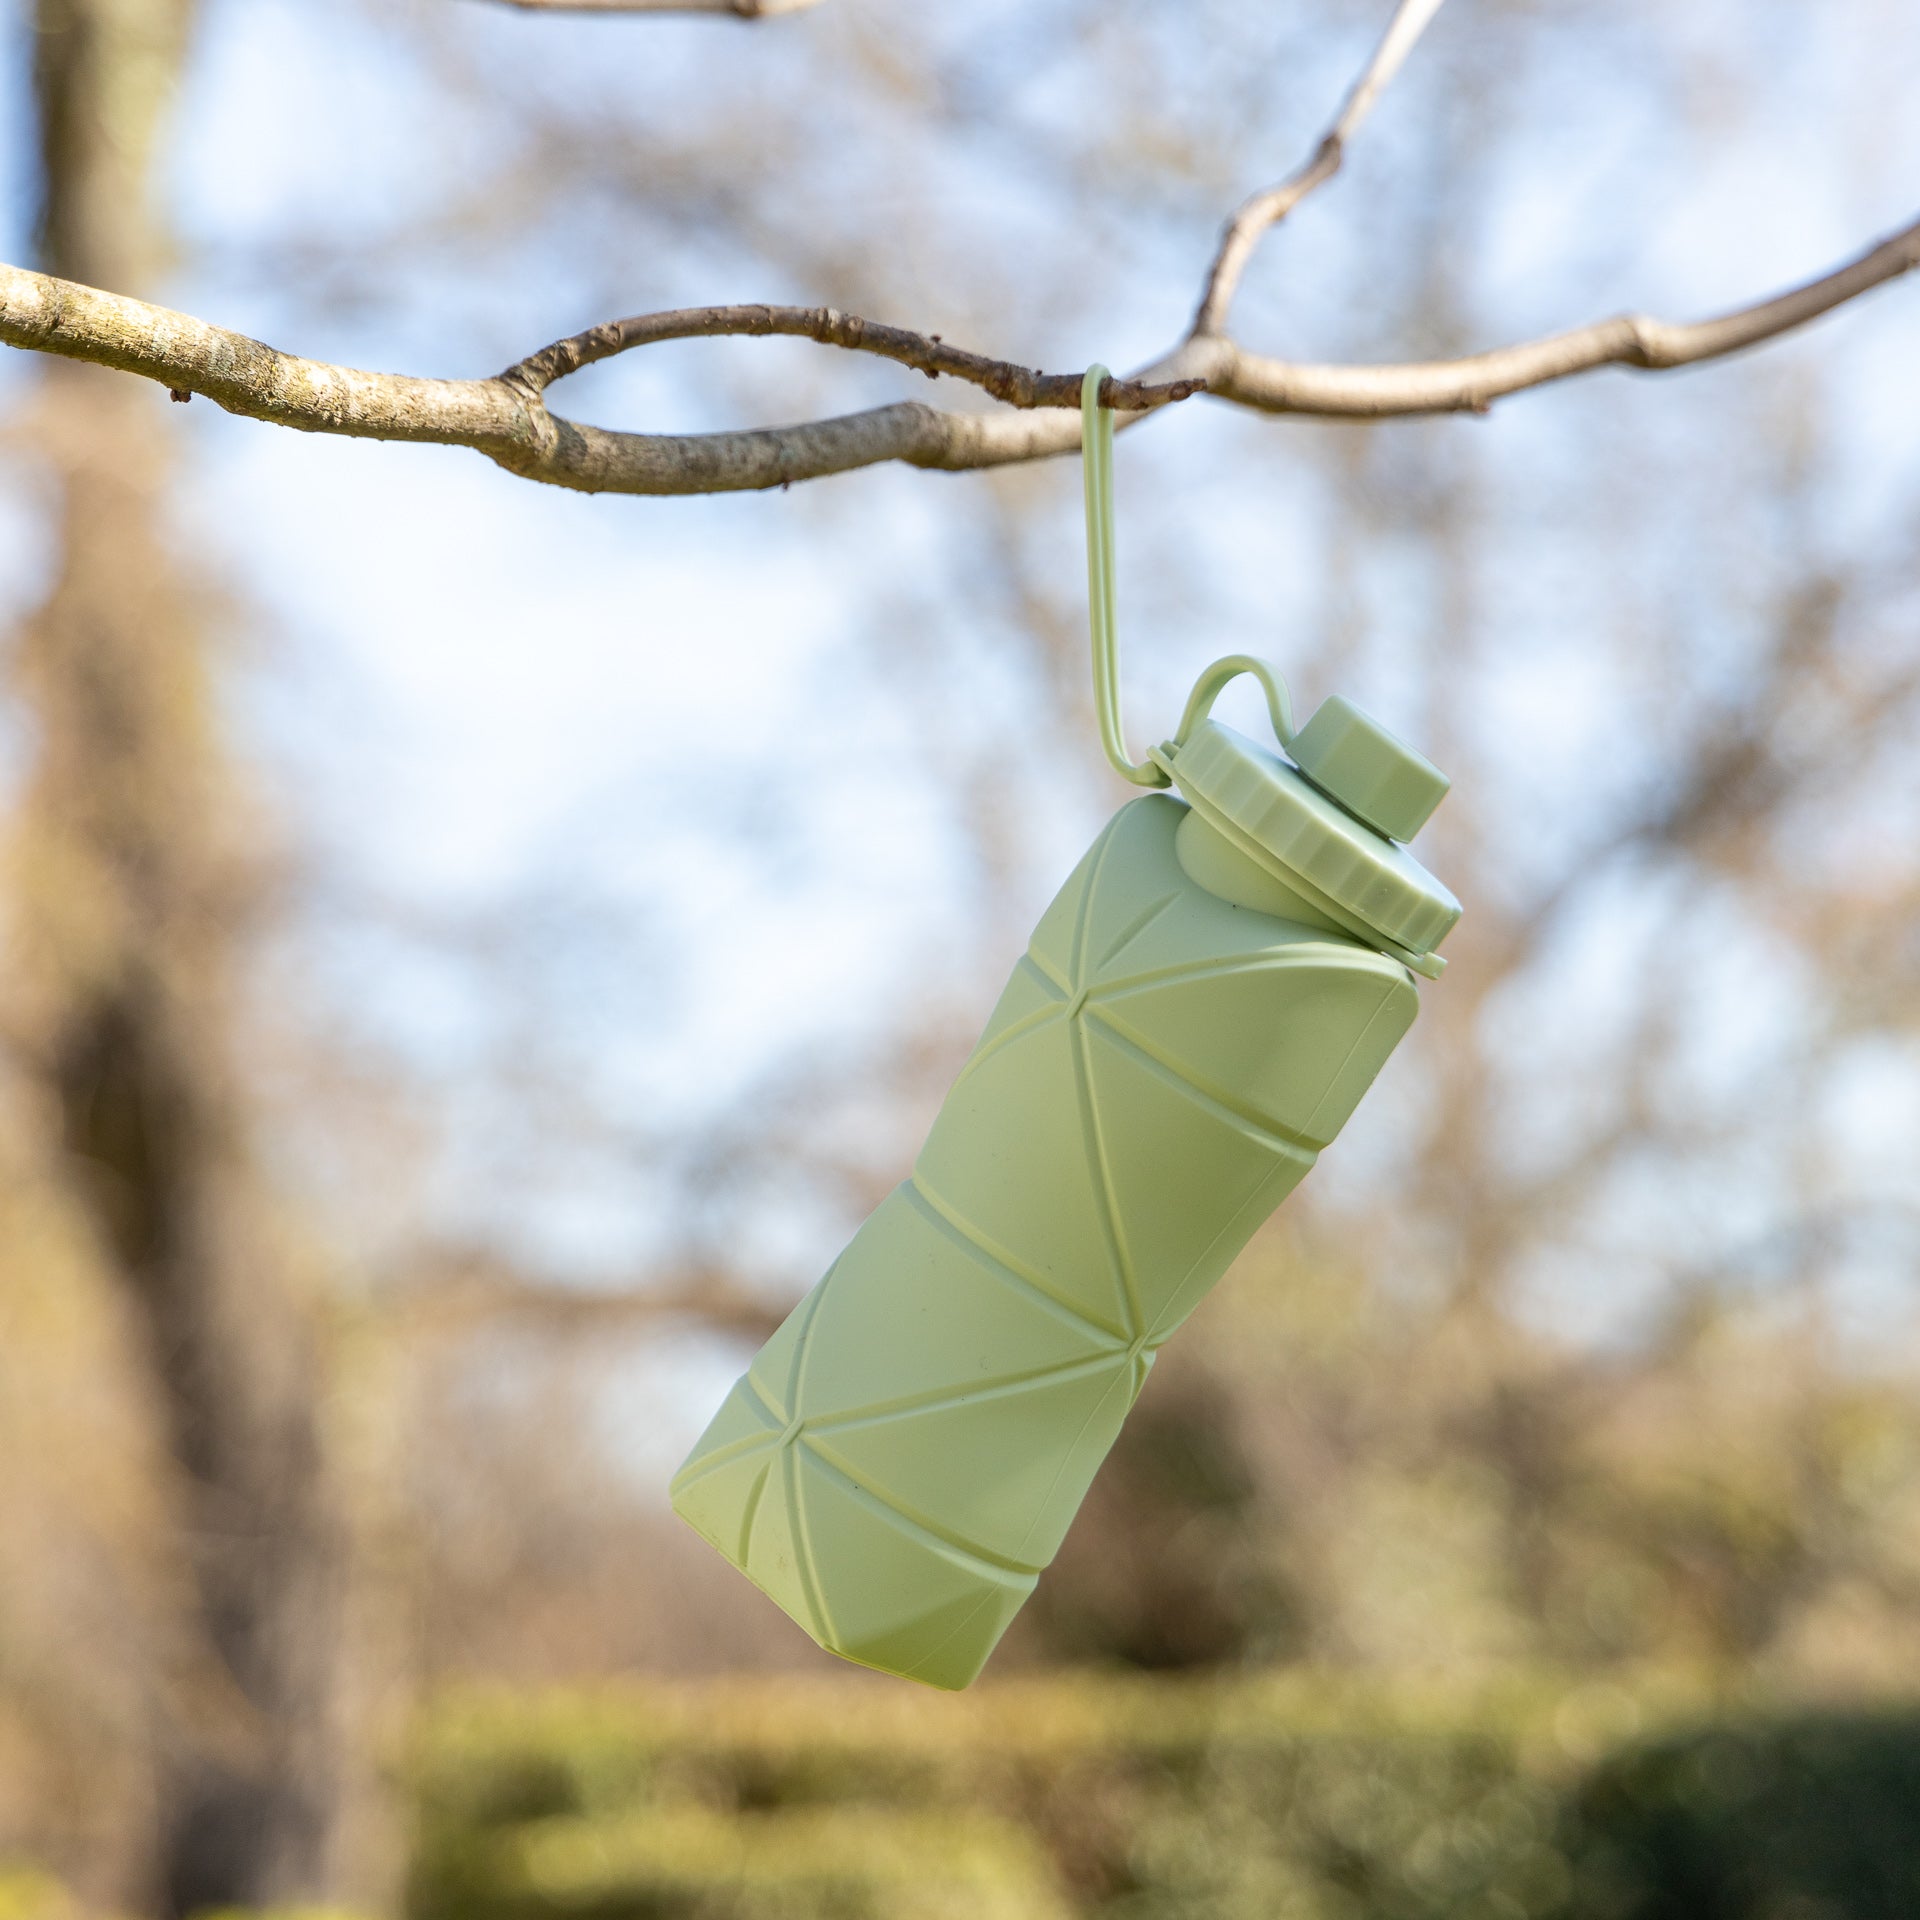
[(132, 884)]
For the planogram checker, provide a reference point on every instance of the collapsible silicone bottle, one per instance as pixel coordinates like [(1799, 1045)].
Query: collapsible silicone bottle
[(1197, 1014)]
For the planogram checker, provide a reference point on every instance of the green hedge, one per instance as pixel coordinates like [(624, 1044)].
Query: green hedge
[(1815, 1817), (850, 1863), (1295, 1799)]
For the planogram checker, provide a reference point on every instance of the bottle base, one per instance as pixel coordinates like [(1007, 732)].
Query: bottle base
[(864, 1581)]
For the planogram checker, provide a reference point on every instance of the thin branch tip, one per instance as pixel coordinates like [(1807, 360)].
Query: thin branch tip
[(1259, 214)]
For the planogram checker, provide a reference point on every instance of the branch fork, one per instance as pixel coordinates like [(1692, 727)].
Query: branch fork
[(507, 417)]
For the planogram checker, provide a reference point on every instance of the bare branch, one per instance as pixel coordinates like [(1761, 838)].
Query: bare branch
[(925, 353), (507, 419), (1473, 383), (741, 9), (1267, 209), (465, 1291)]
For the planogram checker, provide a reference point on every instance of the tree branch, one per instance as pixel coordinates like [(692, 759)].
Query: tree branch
[(1473, 383), (1267, 209), (507, 419), (465, 1291), (925, 353)]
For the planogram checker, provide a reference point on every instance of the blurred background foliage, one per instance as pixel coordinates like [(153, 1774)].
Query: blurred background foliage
[(473, 955)]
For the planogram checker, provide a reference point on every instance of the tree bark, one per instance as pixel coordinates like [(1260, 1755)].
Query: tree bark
[(131, 893)]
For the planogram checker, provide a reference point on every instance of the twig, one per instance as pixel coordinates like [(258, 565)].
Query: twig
[(1268, 208), (925, 353)]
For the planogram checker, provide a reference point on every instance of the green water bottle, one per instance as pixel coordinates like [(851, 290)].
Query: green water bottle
[(1198, 1012)]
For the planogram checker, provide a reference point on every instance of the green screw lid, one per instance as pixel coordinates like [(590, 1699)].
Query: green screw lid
[(1350, 755), (1335, 851)]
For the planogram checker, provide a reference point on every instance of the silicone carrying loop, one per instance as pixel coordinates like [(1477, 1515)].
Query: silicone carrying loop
[(1096, 444), (1096, 460)]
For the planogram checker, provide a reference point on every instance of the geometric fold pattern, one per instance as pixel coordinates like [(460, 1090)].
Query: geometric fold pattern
[(906, 1453)]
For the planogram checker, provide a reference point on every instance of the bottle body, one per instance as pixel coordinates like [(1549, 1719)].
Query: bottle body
[(905, 1454)]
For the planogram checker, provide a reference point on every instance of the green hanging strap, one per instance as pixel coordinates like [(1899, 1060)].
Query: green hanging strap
[(1096, 443), (1096, 459)]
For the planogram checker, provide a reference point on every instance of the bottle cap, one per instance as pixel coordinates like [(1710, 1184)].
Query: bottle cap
[(1331, 836), (1348, 754)]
